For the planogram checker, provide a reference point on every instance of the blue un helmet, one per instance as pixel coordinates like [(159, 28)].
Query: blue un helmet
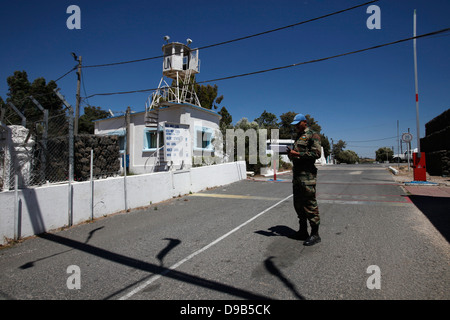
[(298, 118)]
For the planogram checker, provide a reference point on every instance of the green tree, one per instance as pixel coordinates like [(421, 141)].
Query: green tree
[(246, 125), (344, 156), (384, 154), (2, 106), (313, 124), (208, 96), (287, 131), (347, 156), (325, 144), (91, 113), (226, 120), (267, 121), (338, 148), (19, 93)]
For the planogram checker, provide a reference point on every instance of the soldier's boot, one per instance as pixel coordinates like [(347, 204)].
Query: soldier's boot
[(314, 237), (302, 234)]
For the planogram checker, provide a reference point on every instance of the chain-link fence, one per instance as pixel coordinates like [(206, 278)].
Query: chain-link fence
[(37, 153), (46, 151)]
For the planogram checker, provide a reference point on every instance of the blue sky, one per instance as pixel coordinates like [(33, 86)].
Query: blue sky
[(356, 98)]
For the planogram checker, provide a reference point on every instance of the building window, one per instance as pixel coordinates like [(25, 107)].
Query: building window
[(203, 139), (122, 138), (151, 139)]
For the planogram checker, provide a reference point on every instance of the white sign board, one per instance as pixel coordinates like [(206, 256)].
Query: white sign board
[(177, 142), (407, 137)]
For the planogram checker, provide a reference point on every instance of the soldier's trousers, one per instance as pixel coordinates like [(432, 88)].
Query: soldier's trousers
[(305, 202)]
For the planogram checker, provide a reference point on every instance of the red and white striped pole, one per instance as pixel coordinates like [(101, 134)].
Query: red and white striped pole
[(417, 88), (419, 161)]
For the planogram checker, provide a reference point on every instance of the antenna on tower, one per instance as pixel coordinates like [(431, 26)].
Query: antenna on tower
[(167, 38)]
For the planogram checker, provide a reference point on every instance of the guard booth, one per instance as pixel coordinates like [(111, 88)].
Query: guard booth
[(179, 60)]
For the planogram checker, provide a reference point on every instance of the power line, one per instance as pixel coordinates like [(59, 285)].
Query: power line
[(373, 140), (388, 138), (328, 58), (238, 39), (288, 66), (65, 74)]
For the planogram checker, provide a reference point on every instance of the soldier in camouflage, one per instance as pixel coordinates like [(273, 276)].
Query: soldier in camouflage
[(305, 151)]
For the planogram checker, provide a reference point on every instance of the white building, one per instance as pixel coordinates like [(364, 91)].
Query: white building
[(174, 129)]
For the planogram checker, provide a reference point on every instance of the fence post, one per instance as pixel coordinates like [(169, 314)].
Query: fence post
[(71, 118), (71, 158), (44, 138), (24, 120), (92, 184), (16, 207)]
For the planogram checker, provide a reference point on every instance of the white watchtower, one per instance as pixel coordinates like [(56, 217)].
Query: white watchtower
[(181, 64), (180, 60)]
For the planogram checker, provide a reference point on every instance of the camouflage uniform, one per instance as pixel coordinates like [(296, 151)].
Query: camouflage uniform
[(308, 146)]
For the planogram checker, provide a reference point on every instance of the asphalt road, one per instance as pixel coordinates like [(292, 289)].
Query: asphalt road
[(233, 242)]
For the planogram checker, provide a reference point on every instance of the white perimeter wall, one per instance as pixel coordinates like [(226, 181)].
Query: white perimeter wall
[(46, 208)]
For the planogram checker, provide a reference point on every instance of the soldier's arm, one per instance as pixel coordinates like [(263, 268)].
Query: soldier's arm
[(314, 152)]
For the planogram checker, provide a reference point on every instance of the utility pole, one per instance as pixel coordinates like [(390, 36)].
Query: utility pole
[(77, 106)]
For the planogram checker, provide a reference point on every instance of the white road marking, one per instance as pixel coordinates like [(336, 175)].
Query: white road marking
[(189, 257)]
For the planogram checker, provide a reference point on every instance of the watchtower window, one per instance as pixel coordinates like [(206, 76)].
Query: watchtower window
[(185, 62), (168, 51)]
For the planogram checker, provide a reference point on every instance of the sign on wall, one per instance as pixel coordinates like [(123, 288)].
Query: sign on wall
[(177, 141)]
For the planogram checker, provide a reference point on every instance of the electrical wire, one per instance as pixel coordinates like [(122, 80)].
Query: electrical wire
[(238, 39), (373, 139), (288, 66), (65, 74), (328, 58)]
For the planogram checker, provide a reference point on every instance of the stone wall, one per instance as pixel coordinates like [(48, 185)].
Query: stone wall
[(436, 145), (106, 156)]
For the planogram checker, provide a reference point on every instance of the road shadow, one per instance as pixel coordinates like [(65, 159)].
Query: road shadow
[(31, 264), (273, 269), (152, 268), (278, 231), (437, 210), (172, 244)]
